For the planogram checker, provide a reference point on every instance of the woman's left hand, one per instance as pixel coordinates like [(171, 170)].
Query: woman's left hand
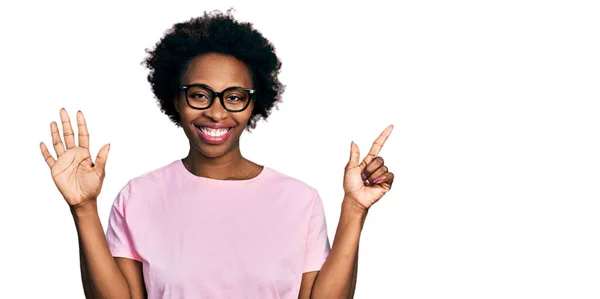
[(367, 182)]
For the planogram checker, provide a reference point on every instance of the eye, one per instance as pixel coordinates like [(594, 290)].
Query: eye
[(198, 96), (233, 98)]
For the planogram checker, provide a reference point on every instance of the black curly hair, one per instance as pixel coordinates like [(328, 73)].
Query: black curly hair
[(214, 32)]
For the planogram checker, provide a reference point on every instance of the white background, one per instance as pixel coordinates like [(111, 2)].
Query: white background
[(495, 148)]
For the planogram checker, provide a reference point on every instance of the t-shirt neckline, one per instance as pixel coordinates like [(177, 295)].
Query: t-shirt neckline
[(182, 170)]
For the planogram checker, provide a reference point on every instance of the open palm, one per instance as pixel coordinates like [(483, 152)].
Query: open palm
[(77, 177)]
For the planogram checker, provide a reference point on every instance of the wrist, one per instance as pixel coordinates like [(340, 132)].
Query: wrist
[(85, 208), (353, 214), (352, 207)]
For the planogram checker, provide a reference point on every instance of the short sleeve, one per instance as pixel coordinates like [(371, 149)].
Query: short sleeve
[(118, 235), (317, 243)]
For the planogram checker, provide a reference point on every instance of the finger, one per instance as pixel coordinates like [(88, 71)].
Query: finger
[(67, 129), (101, 158), (84, 137), (375, 164), (387, 177), (377, 145), (354, 156), (377, 174), (47, 156), (59, 148)]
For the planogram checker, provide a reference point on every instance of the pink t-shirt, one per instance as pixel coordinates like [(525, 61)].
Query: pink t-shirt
[(204, 238)]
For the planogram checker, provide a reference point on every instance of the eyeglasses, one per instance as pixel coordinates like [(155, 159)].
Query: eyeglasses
[(233, 99)]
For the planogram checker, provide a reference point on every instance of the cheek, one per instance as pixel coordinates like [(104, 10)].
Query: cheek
[(187, 114), (244, 119), (248, 114)]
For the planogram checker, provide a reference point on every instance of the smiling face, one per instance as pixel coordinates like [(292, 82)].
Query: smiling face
[(214, 132)]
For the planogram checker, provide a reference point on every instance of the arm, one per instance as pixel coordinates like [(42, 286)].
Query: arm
[(354, 275), (337, 277), (80, 180), (364, 185), (102, 275)]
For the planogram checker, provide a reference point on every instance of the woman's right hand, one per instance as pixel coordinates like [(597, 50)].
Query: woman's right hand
[(77, 177)]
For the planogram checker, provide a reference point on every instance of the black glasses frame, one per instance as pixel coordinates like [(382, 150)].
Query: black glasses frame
[(216, 94)]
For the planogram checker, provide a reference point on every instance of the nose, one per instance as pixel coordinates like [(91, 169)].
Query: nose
[(216, 112)]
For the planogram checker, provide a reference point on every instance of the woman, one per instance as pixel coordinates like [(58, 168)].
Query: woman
[(213, 224)]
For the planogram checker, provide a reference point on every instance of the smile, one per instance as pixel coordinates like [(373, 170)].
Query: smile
[(214, 132), (214, 136)]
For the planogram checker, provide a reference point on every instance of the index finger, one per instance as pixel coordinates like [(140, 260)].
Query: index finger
[(377, 146)]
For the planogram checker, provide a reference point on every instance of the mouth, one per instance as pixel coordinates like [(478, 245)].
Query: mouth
[(214, 136)]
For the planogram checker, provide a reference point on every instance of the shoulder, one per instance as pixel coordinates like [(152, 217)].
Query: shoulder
[(158, 175), (151, 181), (282, 182)]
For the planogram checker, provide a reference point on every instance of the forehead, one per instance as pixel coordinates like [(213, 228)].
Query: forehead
[(217, 71)]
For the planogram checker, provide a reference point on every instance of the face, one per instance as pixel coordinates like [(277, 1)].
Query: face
[(214, 132)]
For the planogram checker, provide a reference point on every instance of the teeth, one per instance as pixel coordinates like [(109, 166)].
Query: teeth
[(214, 132)]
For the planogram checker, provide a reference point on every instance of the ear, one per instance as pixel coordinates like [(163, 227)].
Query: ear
[(176, 103)]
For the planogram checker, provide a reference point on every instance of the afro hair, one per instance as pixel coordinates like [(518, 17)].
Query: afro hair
[(214, 32)]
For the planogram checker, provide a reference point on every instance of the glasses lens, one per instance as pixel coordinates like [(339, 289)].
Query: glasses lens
[(199, 97), (236, 99)]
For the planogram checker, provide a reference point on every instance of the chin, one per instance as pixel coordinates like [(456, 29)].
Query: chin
[(210, 151)]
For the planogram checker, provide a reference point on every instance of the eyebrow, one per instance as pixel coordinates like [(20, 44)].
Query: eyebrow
[(228, 85)]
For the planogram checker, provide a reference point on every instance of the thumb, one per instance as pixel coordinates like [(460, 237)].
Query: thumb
[(354, 156), (101, 158)]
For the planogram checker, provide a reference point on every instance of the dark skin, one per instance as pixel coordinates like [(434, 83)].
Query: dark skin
[(79, 180), (223, 161)]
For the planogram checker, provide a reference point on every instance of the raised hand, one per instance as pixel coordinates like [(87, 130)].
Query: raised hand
[(367, 182), (77, 177)]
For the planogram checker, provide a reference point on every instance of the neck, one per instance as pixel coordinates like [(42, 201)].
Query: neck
[(231, 166)]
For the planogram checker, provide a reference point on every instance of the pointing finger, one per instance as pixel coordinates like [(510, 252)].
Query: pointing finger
[(377, 145)]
